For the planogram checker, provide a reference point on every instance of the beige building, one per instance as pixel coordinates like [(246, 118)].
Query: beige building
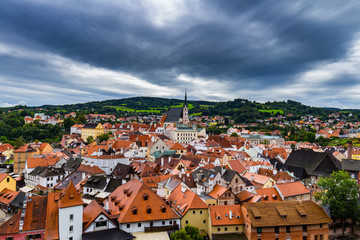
[(182, 134), (20, 157), (92, 129)]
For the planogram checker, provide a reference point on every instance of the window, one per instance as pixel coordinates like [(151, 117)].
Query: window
[(170, 222), (237, 228), (193, 212), (9, 238), (186, 222), (218, 229), (304, 228), (316, 238), (71, 217), (128, 225), (139, 224), (38, 236), (304, 237), (276, 230), (8, 179), (163, 222), (148, 210), (288, 229), (320, 225), (70, 238), (101, 224), (200, 212), (71, 228), (259, 230), (226, 229), (321, 237)]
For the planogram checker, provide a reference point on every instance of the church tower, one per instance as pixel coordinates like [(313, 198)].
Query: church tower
[(185, 116)]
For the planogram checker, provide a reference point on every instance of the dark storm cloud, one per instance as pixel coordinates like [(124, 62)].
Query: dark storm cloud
[(248, 44)]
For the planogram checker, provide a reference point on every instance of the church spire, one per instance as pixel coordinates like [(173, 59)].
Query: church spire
[(185, 103)]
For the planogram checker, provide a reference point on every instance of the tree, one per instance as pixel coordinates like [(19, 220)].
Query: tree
[(19, 142), (189, 233), (340, 194), (234, 134), (103, 137), (90, 139)]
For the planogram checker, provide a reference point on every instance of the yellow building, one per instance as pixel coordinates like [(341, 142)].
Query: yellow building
[(355, 155), (7, 182), (20, 157), (189, 205), (224, 220), (44, 148), (92, 129)]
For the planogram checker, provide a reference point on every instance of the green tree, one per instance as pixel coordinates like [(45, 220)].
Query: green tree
[(90, 139), (19, 142), (103, 137), (68, 122), (189, 233), (340, 194), (234, 134)]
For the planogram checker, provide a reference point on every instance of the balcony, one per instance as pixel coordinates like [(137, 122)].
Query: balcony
[(162, 228)]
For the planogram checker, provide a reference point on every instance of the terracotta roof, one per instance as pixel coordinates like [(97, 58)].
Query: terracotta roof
[(244, 196), (93, 170), (5, 146), (135, 197), (293, 189), (3, 176), (96, 148), (152, 182), (70, 197), (226, 215), (184, 201), (12, 225), (35, 214), (217, 191), (42, 161), (7, 196), (237, 166), (177, 146), (91, 212), (268, 195), (121, 145), (25, 148), (43, 146), (288, 213), (260, 179), (52, 212)]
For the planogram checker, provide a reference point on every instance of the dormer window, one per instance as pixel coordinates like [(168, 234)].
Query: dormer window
[(148, 210), (146, 196), (163, 208), (134, 210)]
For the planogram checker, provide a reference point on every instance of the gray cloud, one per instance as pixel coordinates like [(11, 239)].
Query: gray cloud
[(249, 49)]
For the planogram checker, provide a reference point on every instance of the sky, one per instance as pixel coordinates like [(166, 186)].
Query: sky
[(63, 52)]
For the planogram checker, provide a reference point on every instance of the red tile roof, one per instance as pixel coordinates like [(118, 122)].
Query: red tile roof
[(35, 214), (293, 189), (217, 191), (7, 196), (91, 212), (70, 197), (226, 215), (12, 225), (52, 212)]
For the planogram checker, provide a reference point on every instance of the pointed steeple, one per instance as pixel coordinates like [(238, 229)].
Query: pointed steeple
[(185, 103)]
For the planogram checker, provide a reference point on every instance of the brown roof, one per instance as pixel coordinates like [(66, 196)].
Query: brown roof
[(91, 212), (135, 196), (237, 166), (268, 194), (152, 182), (42, 161), (288, 213), (12, 225), (177, 146), (226, 215), (7, 196), (244, 196), (90, 169), (35, 214), (217, 191), (3, 176), (25, 148), (293, 189), (70, 197), (52, 226), (182, 201), (5, 146)]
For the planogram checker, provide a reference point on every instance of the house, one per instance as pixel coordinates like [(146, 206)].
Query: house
[(224, 220), (6, 181), (55, 216), (233, 180), (190, 206), (352, 167), (91, 130), (293, 191), (7, 150), (107, 163), (95, 218), (139, 209), (260, 181), (285, 220), (222, 195), (20, 157), (308, 165)]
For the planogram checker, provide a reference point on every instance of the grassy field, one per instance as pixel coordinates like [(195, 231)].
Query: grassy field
[(272, 111), (196, 114), (190, 106), (206, 106), (126, 109)]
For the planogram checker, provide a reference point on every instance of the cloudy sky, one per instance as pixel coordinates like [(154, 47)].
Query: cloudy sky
[(65, 51)]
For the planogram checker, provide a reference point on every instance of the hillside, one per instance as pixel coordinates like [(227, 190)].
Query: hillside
[(240, 110)]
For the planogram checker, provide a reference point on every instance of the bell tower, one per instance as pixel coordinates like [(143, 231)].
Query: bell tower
[(185, 116)]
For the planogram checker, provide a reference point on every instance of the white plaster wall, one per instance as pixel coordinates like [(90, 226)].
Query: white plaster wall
[(65, 223)]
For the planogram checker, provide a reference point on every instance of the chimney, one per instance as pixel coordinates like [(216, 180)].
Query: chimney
[(252, 177), (230, 215), (107, 204), (162, 161), (169, 159), (349, 149)]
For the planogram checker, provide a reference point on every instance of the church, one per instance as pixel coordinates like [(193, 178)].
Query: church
[(178, 114)]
